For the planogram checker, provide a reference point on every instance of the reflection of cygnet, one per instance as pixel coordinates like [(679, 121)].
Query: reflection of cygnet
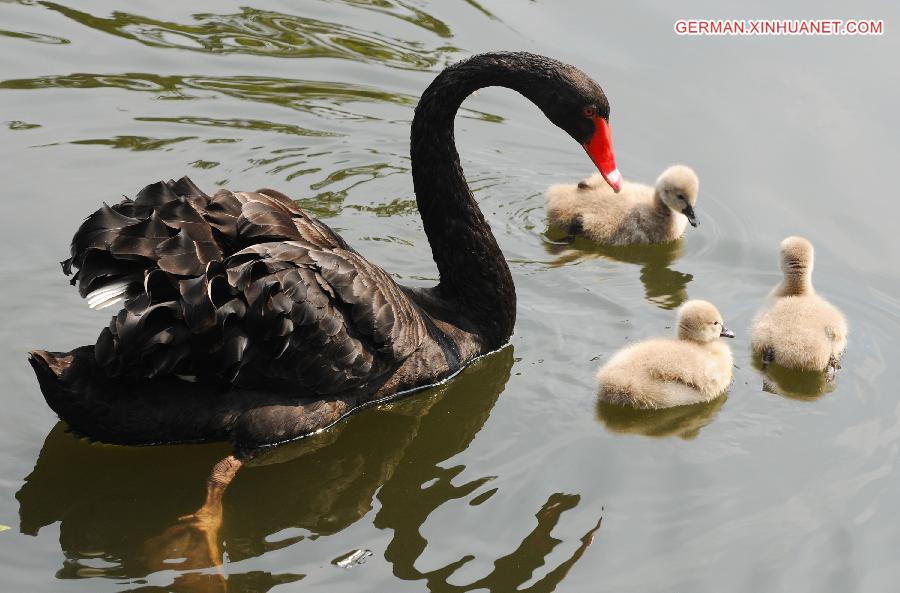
[(684, 422), (665, 372), (637, 214), (798, 329)]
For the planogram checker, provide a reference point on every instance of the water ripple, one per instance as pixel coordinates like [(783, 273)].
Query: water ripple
[(405, 12), (275, 34), (135, 143), (304, 95), (240, 124), (35, 37), (313, 96)]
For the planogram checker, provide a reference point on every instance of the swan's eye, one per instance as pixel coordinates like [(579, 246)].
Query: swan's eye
[(715, 323), (589, 111)]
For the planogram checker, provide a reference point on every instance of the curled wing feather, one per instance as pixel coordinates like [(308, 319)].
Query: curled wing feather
[(239, 286)]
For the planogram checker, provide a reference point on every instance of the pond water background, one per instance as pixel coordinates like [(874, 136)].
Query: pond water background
[(511, 476)]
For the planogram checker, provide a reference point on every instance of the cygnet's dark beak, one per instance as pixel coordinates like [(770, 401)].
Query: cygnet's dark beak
[(726, 333), (692, 218)]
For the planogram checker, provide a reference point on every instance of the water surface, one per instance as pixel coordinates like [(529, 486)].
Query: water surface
[(512, 476)]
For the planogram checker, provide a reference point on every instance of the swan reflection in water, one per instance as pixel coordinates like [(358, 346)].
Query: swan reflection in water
[(664, 287), (119, 523), (794, 384), (681, 421)]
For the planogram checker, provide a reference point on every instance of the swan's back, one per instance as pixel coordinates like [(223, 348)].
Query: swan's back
[(240, 286), (798, 328), (634, 215), (592, 208), (801, 331)]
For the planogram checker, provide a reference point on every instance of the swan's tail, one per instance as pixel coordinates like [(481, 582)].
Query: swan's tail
[(48, 366), (64, 378), (165, 410)]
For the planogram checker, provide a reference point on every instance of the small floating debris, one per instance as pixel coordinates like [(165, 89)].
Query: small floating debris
[(354, 558), (21, 125), (5, 527)]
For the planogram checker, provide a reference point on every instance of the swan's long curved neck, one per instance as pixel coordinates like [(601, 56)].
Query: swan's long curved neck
[(474, 275)]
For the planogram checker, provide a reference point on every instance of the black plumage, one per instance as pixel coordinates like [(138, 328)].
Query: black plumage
[(255, 293), (245, 318)]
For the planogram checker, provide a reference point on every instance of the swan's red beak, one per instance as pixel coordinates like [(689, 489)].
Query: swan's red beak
[(599, 148)]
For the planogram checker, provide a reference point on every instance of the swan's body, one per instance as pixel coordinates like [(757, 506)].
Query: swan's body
[(213, 337), (798, 329), (246, 319), (638, 214), (692, 368)]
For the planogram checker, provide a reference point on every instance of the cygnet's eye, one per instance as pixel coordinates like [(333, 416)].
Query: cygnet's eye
[(682, 197), (590, 111), (715, 323)]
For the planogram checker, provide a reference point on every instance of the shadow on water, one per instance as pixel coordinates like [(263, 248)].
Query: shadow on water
[(280, 35), (682, 421), (794, 384), (664, 287), (113, 502)]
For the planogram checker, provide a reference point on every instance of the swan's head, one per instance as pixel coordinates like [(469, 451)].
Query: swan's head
[(577, 104), (700, 321), (677, 187), (796, 257)]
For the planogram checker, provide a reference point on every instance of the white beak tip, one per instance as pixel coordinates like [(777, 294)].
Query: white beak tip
[(614, 179)]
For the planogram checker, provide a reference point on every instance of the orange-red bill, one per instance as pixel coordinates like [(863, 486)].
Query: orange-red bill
[(600, 149)]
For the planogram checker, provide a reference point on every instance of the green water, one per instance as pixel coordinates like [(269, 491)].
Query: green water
[(512, 476)]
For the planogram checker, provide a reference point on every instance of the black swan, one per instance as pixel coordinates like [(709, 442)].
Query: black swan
[(247, 320)]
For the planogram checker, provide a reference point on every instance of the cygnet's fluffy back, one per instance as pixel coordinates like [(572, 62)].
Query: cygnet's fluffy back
[(665, 372), (637, 214)]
